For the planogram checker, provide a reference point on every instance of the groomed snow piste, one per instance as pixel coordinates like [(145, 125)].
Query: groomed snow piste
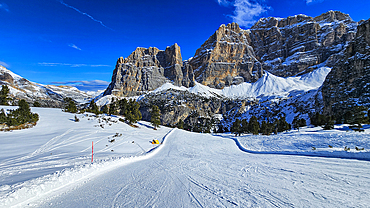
[(50, 166)]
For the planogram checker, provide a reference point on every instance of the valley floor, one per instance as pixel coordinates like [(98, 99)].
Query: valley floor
[(49, 166)]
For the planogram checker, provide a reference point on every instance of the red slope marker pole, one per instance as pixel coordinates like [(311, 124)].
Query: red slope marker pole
[(92, 151)]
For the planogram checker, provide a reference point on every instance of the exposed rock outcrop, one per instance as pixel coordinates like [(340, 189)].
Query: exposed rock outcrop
[(147, 69), (289, 46), (226, 58), (348, 83)]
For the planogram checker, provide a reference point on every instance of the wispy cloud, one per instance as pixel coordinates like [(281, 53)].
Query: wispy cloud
[(308, 2), (74, 46), (4, 7), (72, 65), (4, 64), (246, 11), (93, 85), (83, 13)]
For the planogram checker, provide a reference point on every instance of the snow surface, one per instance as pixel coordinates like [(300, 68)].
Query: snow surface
[(268, 85), (49, 166)]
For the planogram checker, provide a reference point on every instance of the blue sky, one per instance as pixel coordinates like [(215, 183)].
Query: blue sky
[(78, 42)]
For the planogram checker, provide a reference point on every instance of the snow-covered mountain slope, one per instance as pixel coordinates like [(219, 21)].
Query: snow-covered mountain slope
[(49, 165), (46, 95), (268, 85)]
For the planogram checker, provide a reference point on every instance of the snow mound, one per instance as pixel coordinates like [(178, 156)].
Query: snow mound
[(268, 85)]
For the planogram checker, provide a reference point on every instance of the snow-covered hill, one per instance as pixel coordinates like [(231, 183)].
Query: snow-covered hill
[(50, 165), (267, 85), (46, 95)]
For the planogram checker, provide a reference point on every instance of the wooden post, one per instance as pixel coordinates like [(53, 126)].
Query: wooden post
[(92, 151)]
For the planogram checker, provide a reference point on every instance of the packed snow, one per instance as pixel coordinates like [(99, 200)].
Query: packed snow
[(50, 165)]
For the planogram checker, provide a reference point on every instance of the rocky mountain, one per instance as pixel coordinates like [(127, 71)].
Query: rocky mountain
[(348, 84), (275, 68), (289, 46), (46, 95), (147, 69), (231, 56)]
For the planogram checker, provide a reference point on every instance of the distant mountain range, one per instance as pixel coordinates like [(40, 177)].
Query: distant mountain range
[(46, 95)]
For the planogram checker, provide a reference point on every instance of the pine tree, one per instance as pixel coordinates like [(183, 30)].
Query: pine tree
[(297, 122), (265, 130), (36, 104), (253, 126), (104, 109), (283, 125), (112, 108), (123, 105), (3, 117), (244, 127), (329, 124), (132, 112), (70, 105), (93, 108), (4, 95), (155, 116), (180, 124), (236, 128)]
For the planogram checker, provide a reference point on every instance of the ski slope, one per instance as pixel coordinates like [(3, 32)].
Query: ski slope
[(49, 165), (194, 170)]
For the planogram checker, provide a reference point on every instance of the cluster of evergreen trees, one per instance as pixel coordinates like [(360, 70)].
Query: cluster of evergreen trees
[(355, 116), (22, 115), (70, 105), (253, 126), (127, 108), (4, 95)]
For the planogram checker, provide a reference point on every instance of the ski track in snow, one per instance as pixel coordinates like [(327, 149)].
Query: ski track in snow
[(194, 170), (187, 170)]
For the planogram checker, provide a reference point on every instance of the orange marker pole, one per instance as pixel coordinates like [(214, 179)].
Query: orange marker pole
[(92, 152)]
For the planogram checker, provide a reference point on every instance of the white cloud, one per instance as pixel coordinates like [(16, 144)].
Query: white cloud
[(93, 85), (73, 65), (246, 11), (308, 2), (4, 64), (5, 7), (74, 46), (83, 13)]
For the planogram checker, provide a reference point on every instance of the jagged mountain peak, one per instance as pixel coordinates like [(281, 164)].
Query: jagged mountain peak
[(331, 16)]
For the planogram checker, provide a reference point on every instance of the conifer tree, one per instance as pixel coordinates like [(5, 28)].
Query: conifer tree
[(283, 125), (70, 105), (253, 126), (298, 122), (329, 124), (236, 128), (155, 116), (3, 117), (244, 127), (4, 95), (265, 130), (123, 105), (112, 108), (180, 124), (36, 104), (132, 112)]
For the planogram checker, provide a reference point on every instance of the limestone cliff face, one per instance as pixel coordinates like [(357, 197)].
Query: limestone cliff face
[(226, 58), (146, 69), (289, 46), (348, 82), (282, 46)]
